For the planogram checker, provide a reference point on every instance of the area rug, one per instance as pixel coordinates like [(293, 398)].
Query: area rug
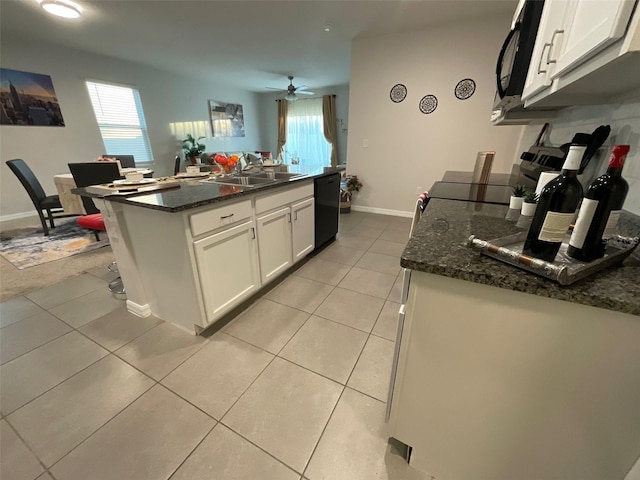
[(28, 247)]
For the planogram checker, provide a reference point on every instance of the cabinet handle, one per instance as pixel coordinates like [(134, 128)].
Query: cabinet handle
[(541, 56), (226, 216), (253, 233), (289, 217), (553, 37), (295, 216)]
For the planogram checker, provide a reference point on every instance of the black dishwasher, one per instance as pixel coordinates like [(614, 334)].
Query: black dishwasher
[(327, 198)]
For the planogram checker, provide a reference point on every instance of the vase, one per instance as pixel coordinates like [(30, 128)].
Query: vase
[(226, 169), (345, 206), (529, 209), (193, 159), (515, 202)]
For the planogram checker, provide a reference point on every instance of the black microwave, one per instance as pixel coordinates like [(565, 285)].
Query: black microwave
[(515, 55)]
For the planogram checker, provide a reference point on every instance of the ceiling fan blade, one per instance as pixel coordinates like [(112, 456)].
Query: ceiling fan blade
[(304, 93), (302, 87), (279, 89)]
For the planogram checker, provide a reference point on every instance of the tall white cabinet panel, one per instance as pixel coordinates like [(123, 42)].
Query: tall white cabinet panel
[(302, 229), (274, 234), (227, 267), (547, 48), (590, 26)]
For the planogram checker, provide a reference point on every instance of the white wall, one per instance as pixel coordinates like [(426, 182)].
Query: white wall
[(408, 149), (269, 117), (624, 120), (168, 101)]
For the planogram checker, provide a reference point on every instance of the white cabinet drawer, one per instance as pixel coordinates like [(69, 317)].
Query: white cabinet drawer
[(277, 200), (215, 218)]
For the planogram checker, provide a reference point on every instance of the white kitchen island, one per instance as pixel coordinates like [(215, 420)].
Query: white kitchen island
[(192, 254)]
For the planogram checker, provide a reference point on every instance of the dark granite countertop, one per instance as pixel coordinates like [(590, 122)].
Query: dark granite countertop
[(451, 176), (195, 193), (438, 246)]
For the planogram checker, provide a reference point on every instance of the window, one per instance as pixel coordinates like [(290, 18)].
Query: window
[(120, 117), (305, 134)]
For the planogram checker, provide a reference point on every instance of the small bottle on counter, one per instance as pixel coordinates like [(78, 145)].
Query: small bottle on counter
[(556, 209), (598, 217)]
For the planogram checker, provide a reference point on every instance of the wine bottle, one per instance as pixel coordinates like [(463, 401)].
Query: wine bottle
[(556, 209), (600, 210)]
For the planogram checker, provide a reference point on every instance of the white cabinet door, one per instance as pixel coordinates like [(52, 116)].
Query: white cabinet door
[(547, 47), (589, 27), (227, 266), (274, 243), (303, 233)]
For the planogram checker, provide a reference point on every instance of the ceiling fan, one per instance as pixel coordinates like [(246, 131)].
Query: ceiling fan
[(292, 90)]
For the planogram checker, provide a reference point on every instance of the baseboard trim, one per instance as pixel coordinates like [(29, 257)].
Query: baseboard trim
[(382, 211), (15, 216), (139, 310)]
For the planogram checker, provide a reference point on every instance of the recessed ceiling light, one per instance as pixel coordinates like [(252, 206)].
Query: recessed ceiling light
[(327, 27), (62, 8)]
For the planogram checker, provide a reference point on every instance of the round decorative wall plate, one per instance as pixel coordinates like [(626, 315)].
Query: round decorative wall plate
[(428, 104), (465, 88), (398, 93)]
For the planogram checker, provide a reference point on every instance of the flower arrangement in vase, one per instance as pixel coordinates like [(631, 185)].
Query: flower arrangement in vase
[(349, 185)]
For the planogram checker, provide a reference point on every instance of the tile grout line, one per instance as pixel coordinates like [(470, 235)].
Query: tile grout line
[(300, 366), (62, 381), (324, 429), (193, 450), (106, 284), (260, 448), (26, 318), (41, 345), (345, 325), (103, 425), (15, 431)]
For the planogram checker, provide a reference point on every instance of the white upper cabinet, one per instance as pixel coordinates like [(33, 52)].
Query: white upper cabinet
[(591, 25), (546, 49), (586, 52)]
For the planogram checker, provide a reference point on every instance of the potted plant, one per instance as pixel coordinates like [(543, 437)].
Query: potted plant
[(530, 204), (192, 148), (348, 186), (516, 199)]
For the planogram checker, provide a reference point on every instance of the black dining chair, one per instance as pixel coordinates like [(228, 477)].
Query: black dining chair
[(93, 173), (126, 161), (43, 202), (176, 167)]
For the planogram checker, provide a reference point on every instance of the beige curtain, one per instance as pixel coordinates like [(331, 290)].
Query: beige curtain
[(330, 125), (282, 126)]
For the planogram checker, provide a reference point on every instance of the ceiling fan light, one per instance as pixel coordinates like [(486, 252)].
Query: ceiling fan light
[(62, 8), (291, 97)]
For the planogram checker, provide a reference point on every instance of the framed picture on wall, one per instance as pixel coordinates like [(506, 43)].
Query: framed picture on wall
[(28, 99), (227, 119)]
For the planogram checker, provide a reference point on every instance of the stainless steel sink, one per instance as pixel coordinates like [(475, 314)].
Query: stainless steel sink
[(244, 181), (278, 175)]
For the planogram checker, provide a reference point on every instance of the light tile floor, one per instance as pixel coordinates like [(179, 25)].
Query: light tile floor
[(293, 388)]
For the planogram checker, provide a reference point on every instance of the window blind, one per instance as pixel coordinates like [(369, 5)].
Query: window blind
[(118, 110)]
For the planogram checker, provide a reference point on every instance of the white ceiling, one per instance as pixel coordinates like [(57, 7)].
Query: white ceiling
[(248, 44)]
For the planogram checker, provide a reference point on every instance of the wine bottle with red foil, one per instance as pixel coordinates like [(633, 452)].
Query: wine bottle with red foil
[(556, 209), (600, 210)]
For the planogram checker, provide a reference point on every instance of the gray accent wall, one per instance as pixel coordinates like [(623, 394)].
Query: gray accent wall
[(173, 104)]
